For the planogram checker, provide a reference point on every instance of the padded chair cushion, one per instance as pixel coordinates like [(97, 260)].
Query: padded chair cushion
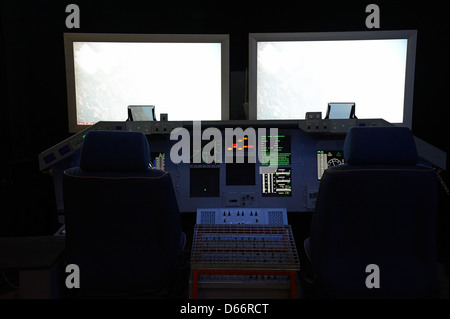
[(377, 208), (380, 145), (115, 151), (375, 216), (122, 217)]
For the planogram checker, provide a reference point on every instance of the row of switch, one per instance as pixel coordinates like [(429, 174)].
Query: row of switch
[(254, 215), (225, 221), (241, 214)]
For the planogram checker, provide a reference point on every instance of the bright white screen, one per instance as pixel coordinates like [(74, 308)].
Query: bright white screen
[(181, 79), (295, 77)]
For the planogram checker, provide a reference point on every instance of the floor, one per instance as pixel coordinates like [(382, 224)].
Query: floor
[(9, 285), (9, 281)]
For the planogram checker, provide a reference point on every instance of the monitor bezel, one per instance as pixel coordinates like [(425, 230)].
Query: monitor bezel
[(70, 38), (410, 35)]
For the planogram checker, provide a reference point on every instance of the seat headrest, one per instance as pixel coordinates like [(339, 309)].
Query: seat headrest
[(115, 151), (380, 145)]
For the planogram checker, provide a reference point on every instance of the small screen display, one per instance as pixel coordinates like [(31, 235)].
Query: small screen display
[(277, 184), (282, 146), (240, 173), (326, 159), (340, 110), (204, 182)]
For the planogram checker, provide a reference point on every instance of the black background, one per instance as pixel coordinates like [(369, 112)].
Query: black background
[(33, 85)]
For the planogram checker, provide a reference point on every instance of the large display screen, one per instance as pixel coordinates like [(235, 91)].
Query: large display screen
[(291, 74), (185, 76)]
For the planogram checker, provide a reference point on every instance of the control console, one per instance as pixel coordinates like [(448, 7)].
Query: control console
[(244, 216)]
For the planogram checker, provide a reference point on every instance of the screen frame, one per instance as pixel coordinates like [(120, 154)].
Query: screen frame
[(410, 35), (70, 38)]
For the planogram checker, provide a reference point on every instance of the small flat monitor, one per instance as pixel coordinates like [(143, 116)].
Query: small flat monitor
[(183, 75), (340, 111), (282, 146), (240, 173), (204, 182), (326, 159), (141, 113), (291, 74), (278, 184)]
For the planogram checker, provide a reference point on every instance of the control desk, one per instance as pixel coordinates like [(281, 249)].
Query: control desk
[(221, 164)]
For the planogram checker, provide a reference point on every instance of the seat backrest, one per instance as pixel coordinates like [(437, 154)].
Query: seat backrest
[(122, 220), (378, 208)]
